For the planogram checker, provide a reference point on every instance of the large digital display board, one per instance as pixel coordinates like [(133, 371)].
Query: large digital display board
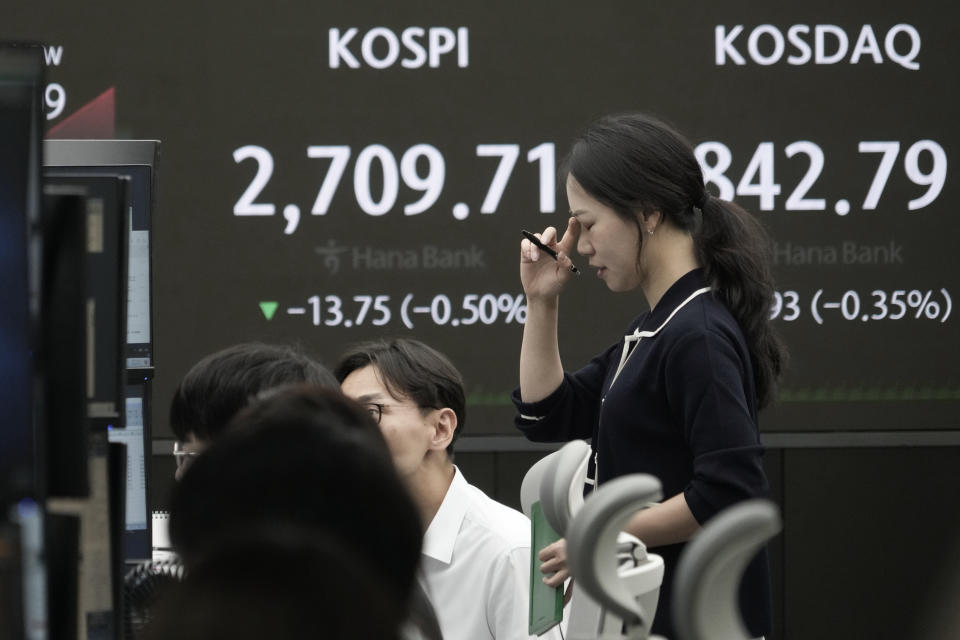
[(336, 172)]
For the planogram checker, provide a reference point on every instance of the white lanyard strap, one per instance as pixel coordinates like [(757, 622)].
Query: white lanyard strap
[(630, 341)]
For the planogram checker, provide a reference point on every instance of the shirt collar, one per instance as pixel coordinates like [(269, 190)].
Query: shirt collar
[(441, 535)]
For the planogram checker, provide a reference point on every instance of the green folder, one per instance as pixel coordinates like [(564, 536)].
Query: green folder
[(546, 603)]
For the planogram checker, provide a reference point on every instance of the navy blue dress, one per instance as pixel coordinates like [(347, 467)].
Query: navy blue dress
[(683, 409)]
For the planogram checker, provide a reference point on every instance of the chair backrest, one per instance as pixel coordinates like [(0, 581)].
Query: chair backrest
[(530, 487), (556, 481), (592, 543), (561, 492), (707, 580)]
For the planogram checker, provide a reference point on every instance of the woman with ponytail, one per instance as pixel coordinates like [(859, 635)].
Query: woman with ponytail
[(677, 396)]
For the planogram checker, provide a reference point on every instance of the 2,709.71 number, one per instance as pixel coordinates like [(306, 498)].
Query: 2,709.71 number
[(422, 168)]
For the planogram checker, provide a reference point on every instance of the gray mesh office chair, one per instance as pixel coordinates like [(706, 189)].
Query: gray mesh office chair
[(617, 581), (619, 563), (710, 569)]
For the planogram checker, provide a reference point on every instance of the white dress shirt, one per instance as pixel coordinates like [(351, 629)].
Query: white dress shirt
[(476, 567)]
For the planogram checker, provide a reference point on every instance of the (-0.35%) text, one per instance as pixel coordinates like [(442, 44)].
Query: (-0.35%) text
[(877, 305)]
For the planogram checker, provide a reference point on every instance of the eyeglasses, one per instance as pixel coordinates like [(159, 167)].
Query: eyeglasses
[(183, 458), (375, 409)]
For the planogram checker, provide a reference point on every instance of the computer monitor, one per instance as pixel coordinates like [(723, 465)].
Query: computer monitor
[(136, 437), (105, 212), (62, 352), (136, 159), (21, 79), (23, 603)]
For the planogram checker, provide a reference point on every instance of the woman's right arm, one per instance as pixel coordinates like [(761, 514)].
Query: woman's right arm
[(543, 278)]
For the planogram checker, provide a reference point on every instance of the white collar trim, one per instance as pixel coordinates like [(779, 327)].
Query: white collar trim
[(638, 335)]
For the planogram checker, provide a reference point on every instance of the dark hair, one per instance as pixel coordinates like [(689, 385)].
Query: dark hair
[(411, 369), (283, 583), (306, 457), (636, 165), (223, 383)]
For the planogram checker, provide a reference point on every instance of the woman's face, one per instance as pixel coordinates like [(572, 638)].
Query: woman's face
[(610, 242)]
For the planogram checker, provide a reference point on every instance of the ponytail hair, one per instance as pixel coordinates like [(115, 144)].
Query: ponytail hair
[(638, 165), (733, 248)]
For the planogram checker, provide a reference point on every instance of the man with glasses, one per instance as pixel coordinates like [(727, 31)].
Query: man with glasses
[(212, 392), (475, 563), (271, 489), (221, 384)]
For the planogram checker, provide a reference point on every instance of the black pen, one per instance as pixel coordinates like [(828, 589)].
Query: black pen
[(547, 250)]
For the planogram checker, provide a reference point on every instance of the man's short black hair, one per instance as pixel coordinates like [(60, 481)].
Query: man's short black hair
[(411, 369), (309, 458), (221, 384)]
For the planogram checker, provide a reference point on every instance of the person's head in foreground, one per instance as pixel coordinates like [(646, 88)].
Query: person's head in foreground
[(283, 583), (305, 458)]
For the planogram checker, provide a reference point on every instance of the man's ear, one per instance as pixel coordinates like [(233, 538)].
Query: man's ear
[(446, 424), (652, 220)]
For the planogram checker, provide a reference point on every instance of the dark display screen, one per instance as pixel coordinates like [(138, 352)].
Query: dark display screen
[(106, 211), (337, 172), (19, 164), (139, 336)]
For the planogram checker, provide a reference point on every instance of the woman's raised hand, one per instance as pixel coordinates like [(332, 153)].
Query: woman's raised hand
[(541, 275)]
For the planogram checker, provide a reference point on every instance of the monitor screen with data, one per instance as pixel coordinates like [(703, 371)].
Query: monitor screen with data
[(136, 436)]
